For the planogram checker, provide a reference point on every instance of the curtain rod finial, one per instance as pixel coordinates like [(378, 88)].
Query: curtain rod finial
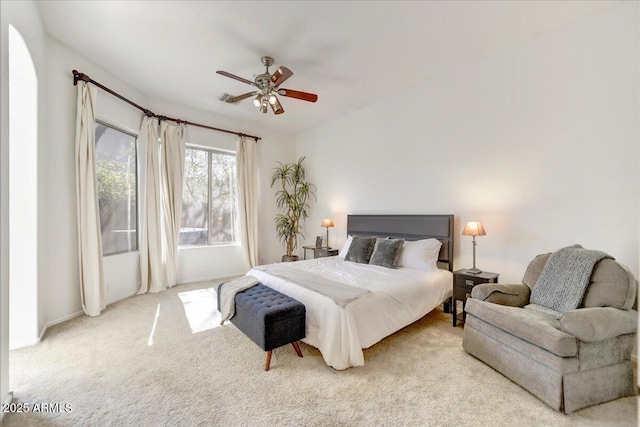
[(80, 76)]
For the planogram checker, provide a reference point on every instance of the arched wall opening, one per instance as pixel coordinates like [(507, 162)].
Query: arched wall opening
[(23, 194)]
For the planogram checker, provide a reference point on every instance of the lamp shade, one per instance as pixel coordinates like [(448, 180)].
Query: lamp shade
[(327, 223), (473, 228)]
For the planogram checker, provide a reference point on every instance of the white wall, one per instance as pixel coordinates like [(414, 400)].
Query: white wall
[(200, 263), (122, 276), (60, 266), (59, 296), (23, 194), (209, 262), (540, 143), (4, 207), (24, 17)]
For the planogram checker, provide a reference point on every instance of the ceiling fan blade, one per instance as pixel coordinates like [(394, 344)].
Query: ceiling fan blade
[(233, 76), (281, 74), (311, 97), (235, 99), (277, 107)]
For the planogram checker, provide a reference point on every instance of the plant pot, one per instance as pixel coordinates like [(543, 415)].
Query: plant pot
[(286, 258)]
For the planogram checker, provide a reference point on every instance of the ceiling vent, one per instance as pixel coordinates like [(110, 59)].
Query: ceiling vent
[(225, 98)]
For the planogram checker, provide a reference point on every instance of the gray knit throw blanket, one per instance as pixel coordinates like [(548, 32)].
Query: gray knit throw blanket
[(564, 280)]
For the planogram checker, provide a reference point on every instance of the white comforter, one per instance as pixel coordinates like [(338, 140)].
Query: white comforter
[(398, 298)]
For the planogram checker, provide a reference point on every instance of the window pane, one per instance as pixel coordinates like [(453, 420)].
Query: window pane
[(116, 175), (195, 206), (223, 222), (209, 198)]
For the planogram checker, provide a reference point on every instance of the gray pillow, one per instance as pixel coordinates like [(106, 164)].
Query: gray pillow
[(360, 249), (386, 252)]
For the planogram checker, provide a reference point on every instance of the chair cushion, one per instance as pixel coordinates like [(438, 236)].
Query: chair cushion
[(535, 269), (611, 285), (534, 327), (498, 293), (599, 323)]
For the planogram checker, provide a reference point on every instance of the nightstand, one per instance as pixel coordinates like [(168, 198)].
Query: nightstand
[(463, 283), (320, 252)]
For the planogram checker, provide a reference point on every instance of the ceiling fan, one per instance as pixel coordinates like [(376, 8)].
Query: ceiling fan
[(267, 87)]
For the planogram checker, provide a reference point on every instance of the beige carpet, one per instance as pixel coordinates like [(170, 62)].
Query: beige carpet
[(140, 364)]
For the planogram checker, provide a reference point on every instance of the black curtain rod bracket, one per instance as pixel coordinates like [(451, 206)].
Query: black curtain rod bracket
[(81, 76)]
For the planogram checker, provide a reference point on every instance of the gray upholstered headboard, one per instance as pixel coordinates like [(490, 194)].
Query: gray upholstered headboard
[(408, 227)]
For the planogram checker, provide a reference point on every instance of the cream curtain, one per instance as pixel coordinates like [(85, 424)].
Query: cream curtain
[(161, 152), (152, 277), (172, 167), (248, 199), (89, 235)]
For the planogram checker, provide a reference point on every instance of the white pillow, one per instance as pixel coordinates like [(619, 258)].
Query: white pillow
[(420, 254), (345, 247)]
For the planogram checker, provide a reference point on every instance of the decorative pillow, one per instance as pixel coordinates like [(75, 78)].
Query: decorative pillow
[(345, 247), (360, 249), (386, 252), (420, 254)]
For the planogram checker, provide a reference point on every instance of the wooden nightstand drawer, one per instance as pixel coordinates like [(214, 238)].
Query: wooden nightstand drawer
[(463, 283), (462, 292), (333, 252), (320, 252)]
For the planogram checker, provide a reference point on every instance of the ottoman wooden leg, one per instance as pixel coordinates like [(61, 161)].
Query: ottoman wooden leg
[(266, 366), (297, 348)]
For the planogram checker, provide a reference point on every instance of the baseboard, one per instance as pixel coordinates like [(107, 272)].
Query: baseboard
[(118, 299), (24, 344), (216, 280), (44, 330), (60, 320)]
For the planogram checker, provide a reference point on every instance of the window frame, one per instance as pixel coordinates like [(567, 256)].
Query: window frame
[(222, 151), (135, 136)]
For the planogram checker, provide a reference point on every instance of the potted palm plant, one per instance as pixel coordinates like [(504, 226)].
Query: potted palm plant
[(293, 199)]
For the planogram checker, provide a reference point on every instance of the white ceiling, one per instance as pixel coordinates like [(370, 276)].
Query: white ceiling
[(350, 53)]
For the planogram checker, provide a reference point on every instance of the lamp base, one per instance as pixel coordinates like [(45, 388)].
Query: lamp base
[(474, 271)]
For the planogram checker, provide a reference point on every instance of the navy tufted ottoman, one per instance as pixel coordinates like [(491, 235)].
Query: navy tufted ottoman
[(270, 318)]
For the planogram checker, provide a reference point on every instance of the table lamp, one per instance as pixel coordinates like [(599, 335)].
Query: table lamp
[(474, 228), (327, 223)]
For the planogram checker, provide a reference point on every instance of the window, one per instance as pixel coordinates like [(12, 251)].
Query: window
[(209, 198), (116, 173)]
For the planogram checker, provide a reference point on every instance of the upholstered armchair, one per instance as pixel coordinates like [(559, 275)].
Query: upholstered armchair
[(580, 359)]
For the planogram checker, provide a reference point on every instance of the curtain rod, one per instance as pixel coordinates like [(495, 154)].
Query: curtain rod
[(81, 76)]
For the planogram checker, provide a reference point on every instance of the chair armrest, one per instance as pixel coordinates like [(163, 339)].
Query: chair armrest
[(599, 323), (498, 293)]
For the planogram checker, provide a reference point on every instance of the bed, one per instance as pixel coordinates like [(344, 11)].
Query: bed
[(395, 297)]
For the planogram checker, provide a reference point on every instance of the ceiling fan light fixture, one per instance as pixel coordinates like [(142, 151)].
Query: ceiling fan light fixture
[(267, 88), (258, 100)]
